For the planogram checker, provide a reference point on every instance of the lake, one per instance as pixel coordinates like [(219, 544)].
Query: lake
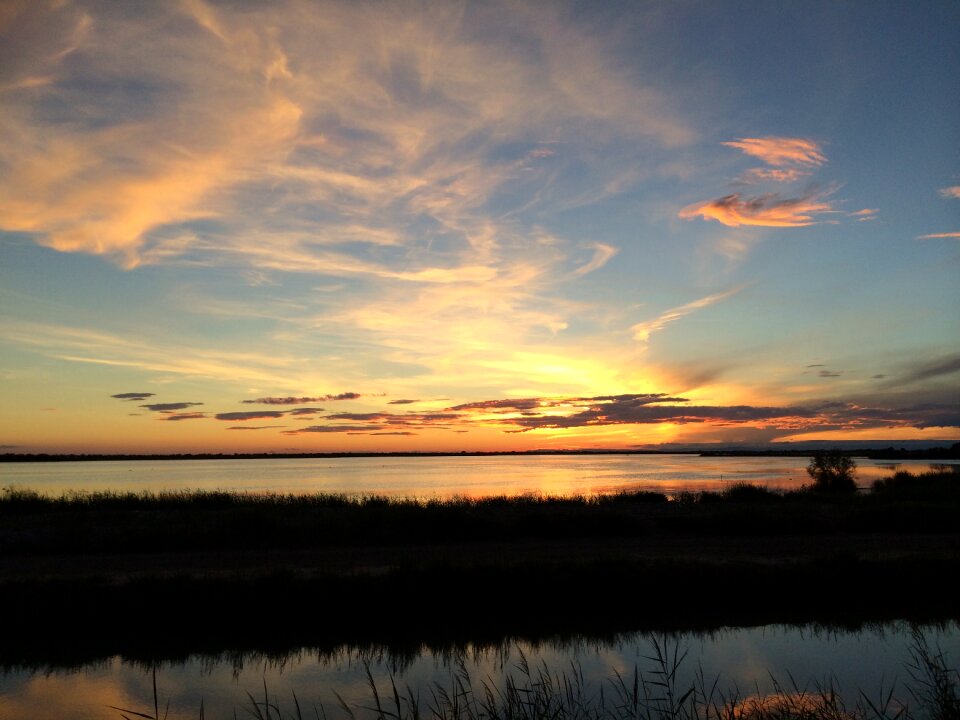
[(743, 660), (432, 477)]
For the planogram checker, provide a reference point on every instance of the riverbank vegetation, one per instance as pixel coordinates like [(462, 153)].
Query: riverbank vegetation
[(113, 523), (212, 571)]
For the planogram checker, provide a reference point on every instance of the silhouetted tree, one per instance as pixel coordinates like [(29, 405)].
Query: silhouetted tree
[(832, 471)]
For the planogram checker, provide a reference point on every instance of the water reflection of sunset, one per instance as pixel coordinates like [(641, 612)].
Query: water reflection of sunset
[(753, 668)]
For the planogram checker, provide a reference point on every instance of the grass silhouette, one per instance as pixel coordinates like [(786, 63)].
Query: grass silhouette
[(207, 567)]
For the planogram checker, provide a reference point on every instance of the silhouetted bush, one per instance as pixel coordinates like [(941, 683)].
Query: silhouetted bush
[(832, 471)]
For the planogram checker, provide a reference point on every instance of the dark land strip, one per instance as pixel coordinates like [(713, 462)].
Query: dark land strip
[(951, 452), (87, 577)]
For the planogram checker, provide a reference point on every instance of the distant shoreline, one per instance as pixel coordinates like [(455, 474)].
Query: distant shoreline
[(888, 453)]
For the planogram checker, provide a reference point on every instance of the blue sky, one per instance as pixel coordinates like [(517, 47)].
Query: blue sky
[(545, 224)]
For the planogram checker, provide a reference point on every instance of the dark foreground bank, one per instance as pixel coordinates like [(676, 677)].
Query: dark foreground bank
[(84, 577)]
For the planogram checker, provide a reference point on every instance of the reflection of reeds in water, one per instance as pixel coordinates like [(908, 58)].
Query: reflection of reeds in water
[(528, 692)]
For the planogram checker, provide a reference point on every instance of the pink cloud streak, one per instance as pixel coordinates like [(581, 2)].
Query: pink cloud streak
[(781, 151), (769, 210)]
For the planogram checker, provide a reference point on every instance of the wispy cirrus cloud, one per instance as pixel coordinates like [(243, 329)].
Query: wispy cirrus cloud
[(602, 254), (929, 369), (287, 97), (952, 192), (781, 151), (935, 236), (643, 330), (866, 214), (790, 159), (419, 175), (768, 210), (152, 353), (777, 175)]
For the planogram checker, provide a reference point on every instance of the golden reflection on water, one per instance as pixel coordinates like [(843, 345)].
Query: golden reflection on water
[(84, 695), (434, 477)]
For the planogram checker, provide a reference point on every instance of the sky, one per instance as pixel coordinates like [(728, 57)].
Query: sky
[(301, 226)]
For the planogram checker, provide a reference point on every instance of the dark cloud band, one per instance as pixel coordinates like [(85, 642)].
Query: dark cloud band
[(133, 396), (170, 407)]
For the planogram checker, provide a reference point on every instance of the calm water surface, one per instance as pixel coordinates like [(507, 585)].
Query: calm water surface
[(428, 477), (744, 658)]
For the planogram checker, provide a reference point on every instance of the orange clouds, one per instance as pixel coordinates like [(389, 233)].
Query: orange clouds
[(791, 160), (780, 151), (769, 210), (211, 105), (934, 236)]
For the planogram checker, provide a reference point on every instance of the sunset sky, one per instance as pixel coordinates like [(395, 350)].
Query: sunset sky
[(321, 226)]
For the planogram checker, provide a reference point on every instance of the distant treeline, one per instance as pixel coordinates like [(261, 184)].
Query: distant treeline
[(890, 453), (50, 457)]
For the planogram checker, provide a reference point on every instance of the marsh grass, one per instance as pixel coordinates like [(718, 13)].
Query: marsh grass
[(92, 564), (941, 481), (536, 692), (111, 522)]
